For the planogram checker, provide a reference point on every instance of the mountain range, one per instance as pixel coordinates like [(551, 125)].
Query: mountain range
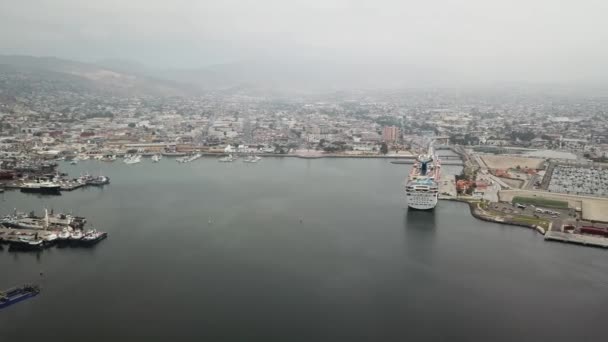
[(122, 77)]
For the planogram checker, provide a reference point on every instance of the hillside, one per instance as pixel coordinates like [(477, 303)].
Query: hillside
[(20, 74)]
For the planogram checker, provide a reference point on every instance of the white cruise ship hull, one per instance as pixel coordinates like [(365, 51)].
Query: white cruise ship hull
[(421, 200)]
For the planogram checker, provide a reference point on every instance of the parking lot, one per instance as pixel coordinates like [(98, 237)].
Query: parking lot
[(559, 217)]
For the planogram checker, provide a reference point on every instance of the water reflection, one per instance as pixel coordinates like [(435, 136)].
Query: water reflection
[(419, 232)]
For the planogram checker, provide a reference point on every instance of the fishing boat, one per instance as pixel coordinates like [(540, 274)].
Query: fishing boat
[(25, 243), (17, 294), (50, 238), (76, 235), (44, 187), (64, 235), (92, 237), (98, 181)]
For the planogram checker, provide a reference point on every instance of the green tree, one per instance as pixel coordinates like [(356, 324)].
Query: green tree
[(384, 148)]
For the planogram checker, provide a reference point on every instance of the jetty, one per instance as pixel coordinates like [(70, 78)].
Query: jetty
[(579, 239)]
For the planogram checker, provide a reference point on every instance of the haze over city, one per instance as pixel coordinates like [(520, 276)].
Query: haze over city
[(316, 170), (398, 42)]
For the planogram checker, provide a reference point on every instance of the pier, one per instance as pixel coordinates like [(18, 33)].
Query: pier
[(579, 239), (443, 162), (447, 187)]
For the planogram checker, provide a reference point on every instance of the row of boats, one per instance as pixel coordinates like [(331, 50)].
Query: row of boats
[(249, 159), (31, 232), (136, 158), (188, 159), (55, 185), (38, 241)]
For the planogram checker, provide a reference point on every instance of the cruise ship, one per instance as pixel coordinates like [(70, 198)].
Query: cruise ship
[(422, 189)]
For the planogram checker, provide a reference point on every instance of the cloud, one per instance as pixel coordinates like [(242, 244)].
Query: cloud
[(472, 37)]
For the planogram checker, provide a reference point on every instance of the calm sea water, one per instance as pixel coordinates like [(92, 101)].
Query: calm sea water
[(293, 250)]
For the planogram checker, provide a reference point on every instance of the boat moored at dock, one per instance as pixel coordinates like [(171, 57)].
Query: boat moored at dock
[(92, 237), (17, 294), (44, 187), (422, 189)]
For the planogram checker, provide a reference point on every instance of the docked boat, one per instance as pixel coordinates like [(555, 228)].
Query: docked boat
[(98, 181), (63, 235), (132, 159), (190, 158), (227, 159), (422, 188), (173, 154), (44, 187), (252, 159), (156, 158), (76, 235), (22, 222), (18, 294), (92, 237), (74, 162), (50, 238), (26, 243), (108, 158)]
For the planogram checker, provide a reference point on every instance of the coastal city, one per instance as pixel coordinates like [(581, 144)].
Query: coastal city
[(327, 171), (537, 162)]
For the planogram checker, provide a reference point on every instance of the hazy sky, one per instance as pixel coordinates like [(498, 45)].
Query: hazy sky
[(544, 39)]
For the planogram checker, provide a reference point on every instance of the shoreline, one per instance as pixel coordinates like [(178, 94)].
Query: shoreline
[(548, 235)]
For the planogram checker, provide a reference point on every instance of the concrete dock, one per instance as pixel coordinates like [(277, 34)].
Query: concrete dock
[(579, 239), (447, 186)]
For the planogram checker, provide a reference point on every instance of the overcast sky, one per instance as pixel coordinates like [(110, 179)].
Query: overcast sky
[(519, 39)]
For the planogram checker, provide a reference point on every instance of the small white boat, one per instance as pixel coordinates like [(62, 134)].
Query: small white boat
[(132, 159), (252, 159), (74, 162), (156, 158), (228, 159), (93, 236)]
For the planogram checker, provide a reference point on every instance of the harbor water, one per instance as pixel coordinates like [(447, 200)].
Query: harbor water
[(292, 250)]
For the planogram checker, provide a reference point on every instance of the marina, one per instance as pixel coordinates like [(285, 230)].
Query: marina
[(356, 249), (27, 232)]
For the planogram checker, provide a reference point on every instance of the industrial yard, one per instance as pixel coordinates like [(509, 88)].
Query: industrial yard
[(504, 162)]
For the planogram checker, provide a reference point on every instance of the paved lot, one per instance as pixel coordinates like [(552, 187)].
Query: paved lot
[(565, 216), (507, 162)]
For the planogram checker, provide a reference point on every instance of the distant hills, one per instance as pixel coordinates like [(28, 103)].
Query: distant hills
[(57, 74), (123, 77)]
